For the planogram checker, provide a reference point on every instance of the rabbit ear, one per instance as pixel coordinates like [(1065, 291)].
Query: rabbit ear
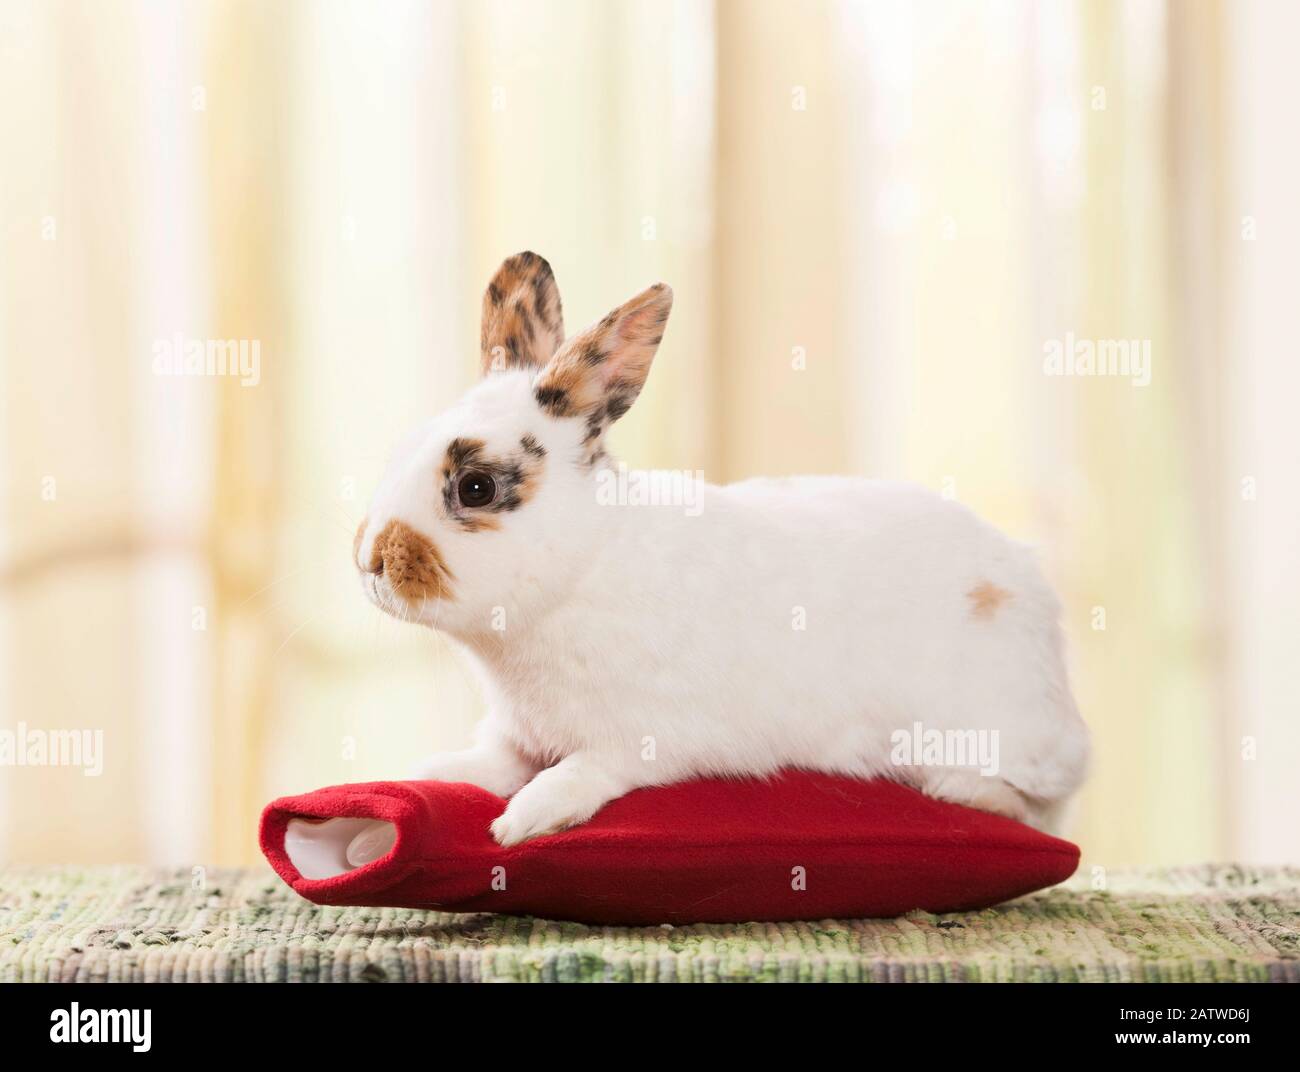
[(523, 324), (598, 373)]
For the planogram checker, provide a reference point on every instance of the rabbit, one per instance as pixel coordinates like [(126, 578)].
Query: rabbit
[(825, 623)]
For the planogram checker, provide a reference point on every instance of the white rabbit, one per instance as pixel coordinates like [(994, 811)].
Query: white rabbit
[(819, 622)]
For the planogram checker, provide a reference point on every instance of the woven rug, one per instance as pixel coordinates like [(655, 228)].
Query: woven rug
[(90, 924)]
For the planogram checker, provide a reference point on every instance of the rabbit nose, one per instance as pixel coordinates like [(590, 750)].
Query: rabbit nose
[(376, 563), (409, 561)]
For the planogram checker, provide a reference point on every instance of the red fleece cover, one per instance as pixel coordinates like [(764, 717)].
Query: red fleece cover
[(798, 846)]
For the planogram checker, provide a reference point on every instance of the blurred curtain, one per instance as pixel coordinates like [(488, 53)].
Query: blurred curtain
[(873, 216)]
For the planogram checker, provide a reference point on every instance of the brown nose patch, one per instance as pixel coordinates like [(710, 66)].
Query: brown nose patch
[(411, 562)]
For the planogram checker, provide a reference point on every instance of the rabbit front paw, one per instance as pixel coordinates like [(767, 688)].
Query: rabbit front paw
[(569, 793)]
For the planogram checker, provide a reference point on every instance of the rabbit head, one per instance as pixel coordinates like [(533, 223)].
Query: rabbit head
[(486, 510)]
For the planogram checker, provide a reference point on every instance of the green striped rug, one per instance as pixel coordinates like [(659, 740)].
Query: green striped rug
[(127, 923)]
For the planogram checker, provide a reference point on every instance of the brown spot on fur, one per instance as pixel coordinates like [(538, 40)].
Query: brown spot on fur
[(530, 481), (414, 567), (356, 542), (554, 400), (986, 597), (462, 452), (523, 322)]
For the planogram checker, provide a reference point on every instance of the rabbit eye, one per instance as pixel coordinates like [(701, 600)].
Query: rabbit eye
[(476, 489)]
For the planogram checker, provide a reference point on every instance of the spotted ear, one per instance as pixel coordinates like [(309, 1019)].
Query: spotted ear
[(523, 323), (598, 373)]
